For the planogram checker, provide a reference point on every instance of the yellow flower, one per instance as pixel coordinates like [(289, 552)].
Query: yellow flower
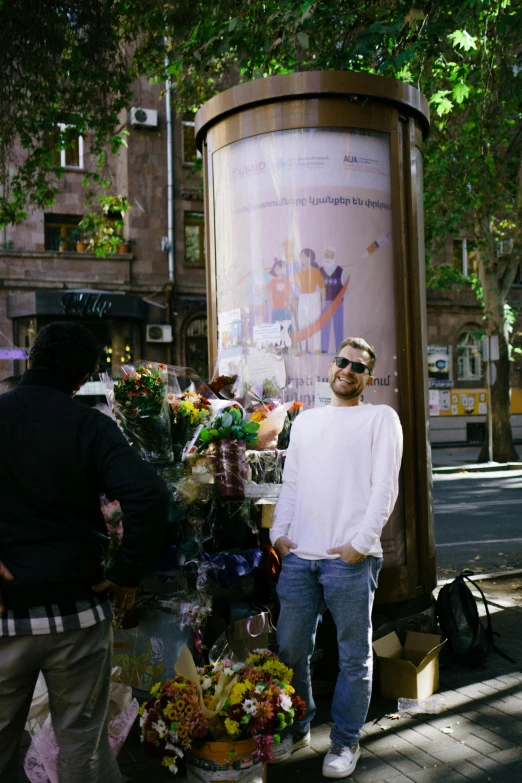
[(155, 688), (232, 726), (180, 705), (290, 690), (278, 669), (168, 761), (237, 693)]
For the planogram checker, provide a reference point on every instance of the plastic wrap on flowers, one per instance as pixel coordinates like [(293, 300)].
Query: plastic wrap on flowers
[(265, 467), (230, 469), (138, 396)]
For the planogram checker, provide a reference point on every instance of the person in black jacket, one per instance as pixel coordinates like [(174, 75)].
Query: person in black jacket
[(57, 457)]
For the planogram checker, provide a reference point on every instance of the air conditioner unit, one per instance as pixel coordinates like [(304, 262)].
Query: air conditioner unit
[(504, 247), (143, 118), (158, 333)]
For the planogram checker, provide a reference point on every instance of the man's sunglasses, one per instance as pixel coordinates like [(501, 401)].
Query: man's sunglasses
[(357, 367)]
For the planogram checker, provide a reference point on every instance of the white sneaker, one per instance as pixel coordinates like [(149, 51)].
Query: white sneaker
[(341, 760), (288, 745)]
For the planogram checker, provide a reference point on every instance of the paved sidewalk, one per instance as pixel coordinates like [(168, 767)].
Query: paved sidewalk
[(478, 738)]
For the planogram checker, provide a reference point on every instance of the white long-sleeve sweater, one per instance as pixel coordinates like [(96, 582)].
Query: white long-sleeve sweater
[(341, 479)]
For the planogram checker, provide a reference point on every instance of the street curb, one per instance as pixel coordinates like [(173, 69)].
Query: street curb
[(479, 467), (484, 577)]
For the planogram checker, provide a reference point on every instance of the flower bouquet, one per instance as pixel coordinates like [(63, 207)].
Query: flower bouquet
[(230, 432), (223, 702), (284, 436), (139, 403), (187, 412)]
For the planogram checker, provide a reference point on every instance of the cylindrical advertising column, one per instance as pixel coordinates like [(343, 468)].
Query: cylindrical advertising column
[(313, 193)]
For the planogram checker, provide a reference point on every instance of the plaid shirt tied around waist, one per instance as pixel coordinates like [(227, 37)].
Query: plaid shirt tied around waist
[(54, 618)]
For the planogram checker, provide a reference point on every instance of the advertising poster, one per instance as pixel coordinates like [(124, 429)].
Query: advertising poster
[(303, 243), (303, 247), (439, 367)]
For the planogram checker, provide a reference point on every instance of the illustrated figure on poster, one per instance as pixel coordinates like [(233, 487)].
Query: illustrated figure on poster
[(280, 290), (258, 310), (334, 277), (310, 289), (292, 267)]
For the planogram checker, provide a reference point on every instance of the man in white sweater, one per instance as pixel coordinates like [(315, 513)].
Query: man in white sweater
[(340, 485)]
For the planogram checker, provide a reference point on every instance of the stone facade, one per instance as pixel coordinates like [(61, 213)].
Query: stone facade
[(139, 172)]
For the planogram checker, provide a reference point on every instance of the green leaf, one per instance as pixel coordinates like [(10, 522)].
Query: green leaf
[(442, 104), (214, 433), (460, 91), (252, 426), (226, 420), (204, 434), (463, 40)]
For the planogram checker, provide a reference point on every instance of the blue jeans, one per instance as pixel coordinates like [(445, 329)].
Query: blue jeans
[(306, 588)]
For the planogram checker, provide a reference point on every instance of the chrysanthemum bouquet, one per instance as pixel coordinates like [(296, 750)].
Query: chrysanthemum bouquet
[(171, 720), (262, 703), (187, 412), (229, 701)]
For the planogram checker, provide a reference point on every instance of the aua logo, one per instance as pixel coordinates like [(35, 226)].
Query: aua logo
[(349, 160), (239, 172)]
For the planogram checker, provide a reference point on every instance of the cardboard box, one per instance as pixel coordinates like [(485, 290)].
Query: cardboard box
[(411, 672)]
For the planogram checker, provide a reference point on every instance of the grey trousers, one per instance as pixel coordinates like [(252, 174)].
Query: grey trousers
[(77, 670)]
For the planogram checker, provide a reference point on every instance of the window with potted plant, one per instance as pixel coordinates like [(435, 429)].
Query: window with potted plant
[(105, 228)]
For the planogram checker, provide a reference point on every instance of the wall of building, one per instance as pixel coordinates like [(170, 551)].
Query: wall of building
[(139, 172), (451, 313)]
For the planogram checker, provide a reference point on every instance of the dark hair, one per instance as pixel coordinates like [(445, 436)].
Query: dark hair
[(277, 263), (362, 345), (310, 255), (69, 350)]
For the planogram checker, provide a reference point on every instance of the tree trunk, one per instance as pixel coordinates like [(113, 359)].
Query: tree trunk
[(494, 299)]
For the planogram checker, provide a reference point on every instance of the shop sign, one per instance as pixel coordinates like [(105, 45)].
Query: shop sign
[(84, 305), (12, 353)]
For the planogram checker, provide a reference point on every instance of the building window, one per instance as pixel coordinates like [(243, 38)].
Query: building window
[(194, 238), (196, 346), (61, 232), (68, 148), (469, 355), (465, 256), (190, 151)]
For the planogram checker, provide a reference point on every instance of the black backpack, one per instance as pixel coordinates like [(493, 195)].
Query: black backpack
[(468, 641)]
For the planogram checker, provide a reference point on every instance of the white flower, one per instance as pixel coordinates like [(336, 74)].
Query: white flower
[(250, 706), (260, 687), (172, 768), (161, 728), (142, 720), (286, 702), (237, 667), (229, 671), (206, 683)]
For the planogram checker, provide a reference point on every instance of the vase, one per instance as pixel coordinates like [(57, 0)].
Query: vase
[(225, 761), (230, 469)]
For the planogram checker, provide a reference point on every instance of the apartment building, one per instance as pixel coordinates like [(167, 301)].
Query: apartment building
[(147, 301)]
